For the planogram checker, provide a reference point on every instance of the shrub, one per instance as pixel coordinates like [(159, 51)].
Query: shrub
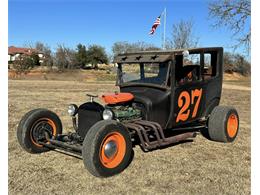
[(236, 63), (23, 64)]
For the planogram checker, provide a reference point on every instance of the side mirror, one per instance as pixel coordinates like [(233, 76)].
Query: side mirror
[(185, 53)]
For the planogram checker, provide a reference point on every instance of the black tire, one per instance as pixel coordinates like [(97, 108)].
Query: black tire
[(29, 129), (223, 124), (94, 142)]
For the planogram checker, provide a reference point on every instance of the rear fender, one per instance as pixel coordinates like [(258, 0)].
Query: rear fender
[(210, 106)]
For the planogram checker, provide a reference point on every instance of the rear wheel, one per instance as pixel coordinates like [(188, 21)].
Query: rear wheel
[(107, 149), (223, 124), (33, 128)]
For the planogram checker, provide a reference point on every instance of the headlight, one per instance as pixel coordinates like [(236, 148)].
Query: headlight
[(72, 109), (107, 114)]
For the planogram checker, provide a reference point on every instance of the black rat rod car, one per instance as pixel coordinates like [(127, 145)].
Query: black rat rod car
[(165, 97)]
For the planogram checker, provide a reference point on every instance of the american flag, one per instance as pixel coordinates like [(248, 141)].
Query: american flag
[(155, 24)]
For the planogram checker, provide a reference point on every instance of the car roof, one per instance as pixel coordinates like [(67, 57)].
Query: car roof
[(158, 56)]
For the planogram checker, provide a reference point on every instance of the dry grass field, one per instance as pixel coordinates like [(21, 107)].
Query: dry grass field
[(198, 167)]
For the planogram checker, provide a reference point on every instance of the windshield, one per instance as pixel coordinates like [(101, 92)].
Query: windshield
[(149, 73)]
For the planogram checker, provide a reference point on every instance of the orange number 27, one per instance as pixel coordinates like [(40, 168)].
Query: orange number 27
[(184, 102)]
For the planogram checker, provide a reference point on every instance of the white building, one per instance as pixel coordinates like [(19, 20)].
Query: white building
[(15, 52)]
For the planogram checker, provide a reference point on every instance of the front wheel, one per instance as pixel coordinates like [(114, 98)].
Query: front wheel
[(33, 128), (107, 149)]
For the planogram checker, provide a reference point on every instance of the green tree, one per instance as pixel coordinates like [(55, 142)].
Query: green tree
[(96, 55), (36, 59), (81, 55)]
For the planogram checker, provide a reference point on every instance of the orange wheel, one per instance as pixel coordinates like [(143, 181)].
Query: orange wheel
[(112, 150), (223, 124), (232, 125), (33, 128), (107, 148), (39, 128)]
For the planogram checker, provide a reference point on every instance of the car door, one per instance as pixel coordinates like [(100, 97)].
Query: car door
[(189, 93), (189, 102)]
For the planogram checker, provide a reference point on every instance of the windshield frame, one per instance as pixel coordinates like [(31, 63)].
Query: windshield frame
[(166, 84)]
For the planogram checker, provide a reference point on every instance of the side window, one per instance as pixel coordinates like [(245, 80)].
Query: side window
[(187, 69), (191, 59), (210, 68)]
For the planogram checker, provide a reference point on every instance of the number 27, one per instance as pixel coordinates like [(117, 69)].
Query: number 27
[(184, 102)]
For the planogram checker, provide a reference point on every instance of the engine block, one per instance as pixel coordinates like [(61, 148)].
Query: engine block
[(126, 112)]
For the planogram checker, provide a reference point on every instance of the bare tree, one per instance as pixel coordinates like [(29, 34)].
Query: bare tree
[(44, 49), (48, 58), (65, 58), (122, 47), (234, 62), (182, 36), (142, 46), (233, 14)]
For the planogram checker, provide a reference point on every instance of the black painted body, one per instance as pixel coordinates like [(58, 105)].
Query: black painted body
[(160, 104), (156, 102)]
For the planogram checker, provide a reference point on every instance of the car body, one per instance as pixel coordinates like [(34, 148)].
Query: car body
[(165, 97)]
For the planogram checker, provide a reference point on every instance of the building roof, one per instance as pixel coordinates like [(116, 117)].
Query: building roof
[(12, 50)]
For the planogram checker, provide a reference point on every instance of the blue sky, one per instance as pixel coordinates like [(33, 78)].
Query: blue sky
[(105, 22)]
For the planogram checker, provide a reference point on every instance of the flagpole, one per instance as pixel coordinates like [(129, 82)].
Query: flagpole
[(164, 28)]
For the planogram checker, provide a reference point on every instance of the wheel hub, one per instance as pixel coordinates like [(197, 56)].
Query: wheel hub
[(38, 132), (110, 149), (232, 125)]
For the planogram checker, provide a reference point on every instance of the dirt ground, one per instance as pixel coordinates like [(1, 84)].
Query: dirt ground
[(198, 167)]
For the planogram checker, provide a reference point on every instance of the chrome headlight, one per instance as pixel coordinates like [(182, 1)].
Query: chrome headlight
[(72, 109), (107, 114)]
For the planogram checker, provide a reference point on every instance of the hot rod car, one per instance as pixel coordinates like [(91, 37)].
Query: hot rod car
[(165, 97)]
